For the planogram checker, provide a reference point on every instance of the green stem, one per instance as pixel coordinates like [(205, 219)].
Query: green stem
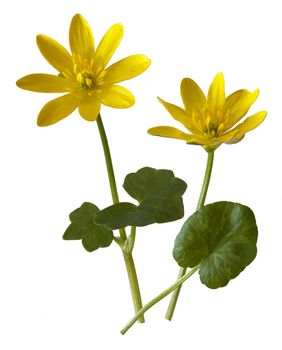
[(201, 202), (206, 180), (129, 244), (128, 259), (110, 169), (134, 286), (158, 298)]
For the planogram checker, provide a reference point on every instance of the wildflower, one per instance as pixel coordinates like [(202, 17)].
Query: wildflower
[(210, 119), (83, 75)]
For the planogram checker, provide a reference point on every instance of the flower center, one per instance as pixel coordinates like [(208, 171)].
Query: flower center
[(213, 127), (86, 80), (85, 73)]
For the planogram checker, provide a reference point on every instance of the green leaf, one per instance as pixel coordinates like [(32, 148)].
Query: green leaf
[(159, 194), (73, 233), (222, 237), (83, 227)]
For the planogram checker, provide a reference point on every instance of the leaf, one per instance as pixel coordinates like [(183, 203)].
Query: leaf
[(222, 237), (83, 227), (159, 194)]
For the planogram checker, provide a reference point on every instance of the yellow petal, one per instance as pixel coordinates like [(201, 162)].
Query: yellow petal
[(108, 46), (216, 97), (43, 83), (116, 96), (192, 96), (55, 54), (126, 68), (81, 38), (89, 106), (168, 131), (237, 106), (250, 124), (180, 115), (57, 110)]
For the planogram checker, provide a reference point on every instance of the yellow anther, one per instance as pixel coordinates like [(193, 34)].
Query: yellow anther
[(220, 127), (212, 133), (100, 77), (75, 69), (88, 82), (79, 78)]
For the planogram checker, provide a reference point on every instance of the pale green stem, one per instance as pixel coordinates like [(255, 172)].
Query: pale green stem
[(158, 298), (201, 202), (128, 259), (129, 244)]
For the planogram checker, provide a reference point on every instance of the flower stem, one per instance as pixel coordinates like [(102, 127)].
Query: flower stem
[(158, 298), (129, 244), (201, 202), (128, 258)]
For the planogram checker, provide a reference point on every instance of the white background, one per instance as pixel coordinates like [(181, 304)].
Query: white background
[(55, 295)]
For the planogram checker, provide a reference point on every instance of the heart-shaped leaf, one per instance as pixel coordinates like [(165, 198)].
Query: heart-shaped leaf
[(159, 194), (222, 237), (83, 227)]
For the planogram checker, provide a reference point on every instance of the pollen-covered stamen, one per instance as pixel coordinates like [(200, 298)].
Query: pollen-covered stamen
[(214, 124), (84, 71), (220, 128), (213, 130), (100, 78), (86, 81)]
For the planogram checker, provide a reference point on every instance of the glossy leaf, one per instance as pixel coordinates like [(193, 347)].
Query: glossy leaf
[(159, 194), (222, 237), (83, 227)]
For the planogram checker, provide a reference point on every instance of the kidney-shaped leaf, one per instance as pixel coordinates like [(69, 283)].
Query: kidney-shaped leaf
[(222, 237), (159, 194), (83, 227)]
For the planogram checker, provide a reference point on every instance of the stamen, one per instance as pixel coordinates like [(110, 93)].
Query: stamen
[(220, 127), (79, 78), (88, 82), (100, 77)]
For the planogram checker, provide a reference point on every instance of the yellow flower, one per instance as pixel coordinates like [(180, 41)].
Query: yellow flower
[(84, 74), (209, 119)]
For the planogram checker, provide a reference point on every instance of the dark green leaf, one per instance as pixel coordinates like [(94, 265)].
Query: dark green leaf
[(117, 215), (222, 237), (159, 194), (83, 217), (72, 233), (83, 227)]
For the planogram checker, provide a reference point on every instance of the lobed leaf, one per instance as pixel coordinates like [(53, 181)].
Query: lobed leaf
[(159, 194), (83, 227)]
